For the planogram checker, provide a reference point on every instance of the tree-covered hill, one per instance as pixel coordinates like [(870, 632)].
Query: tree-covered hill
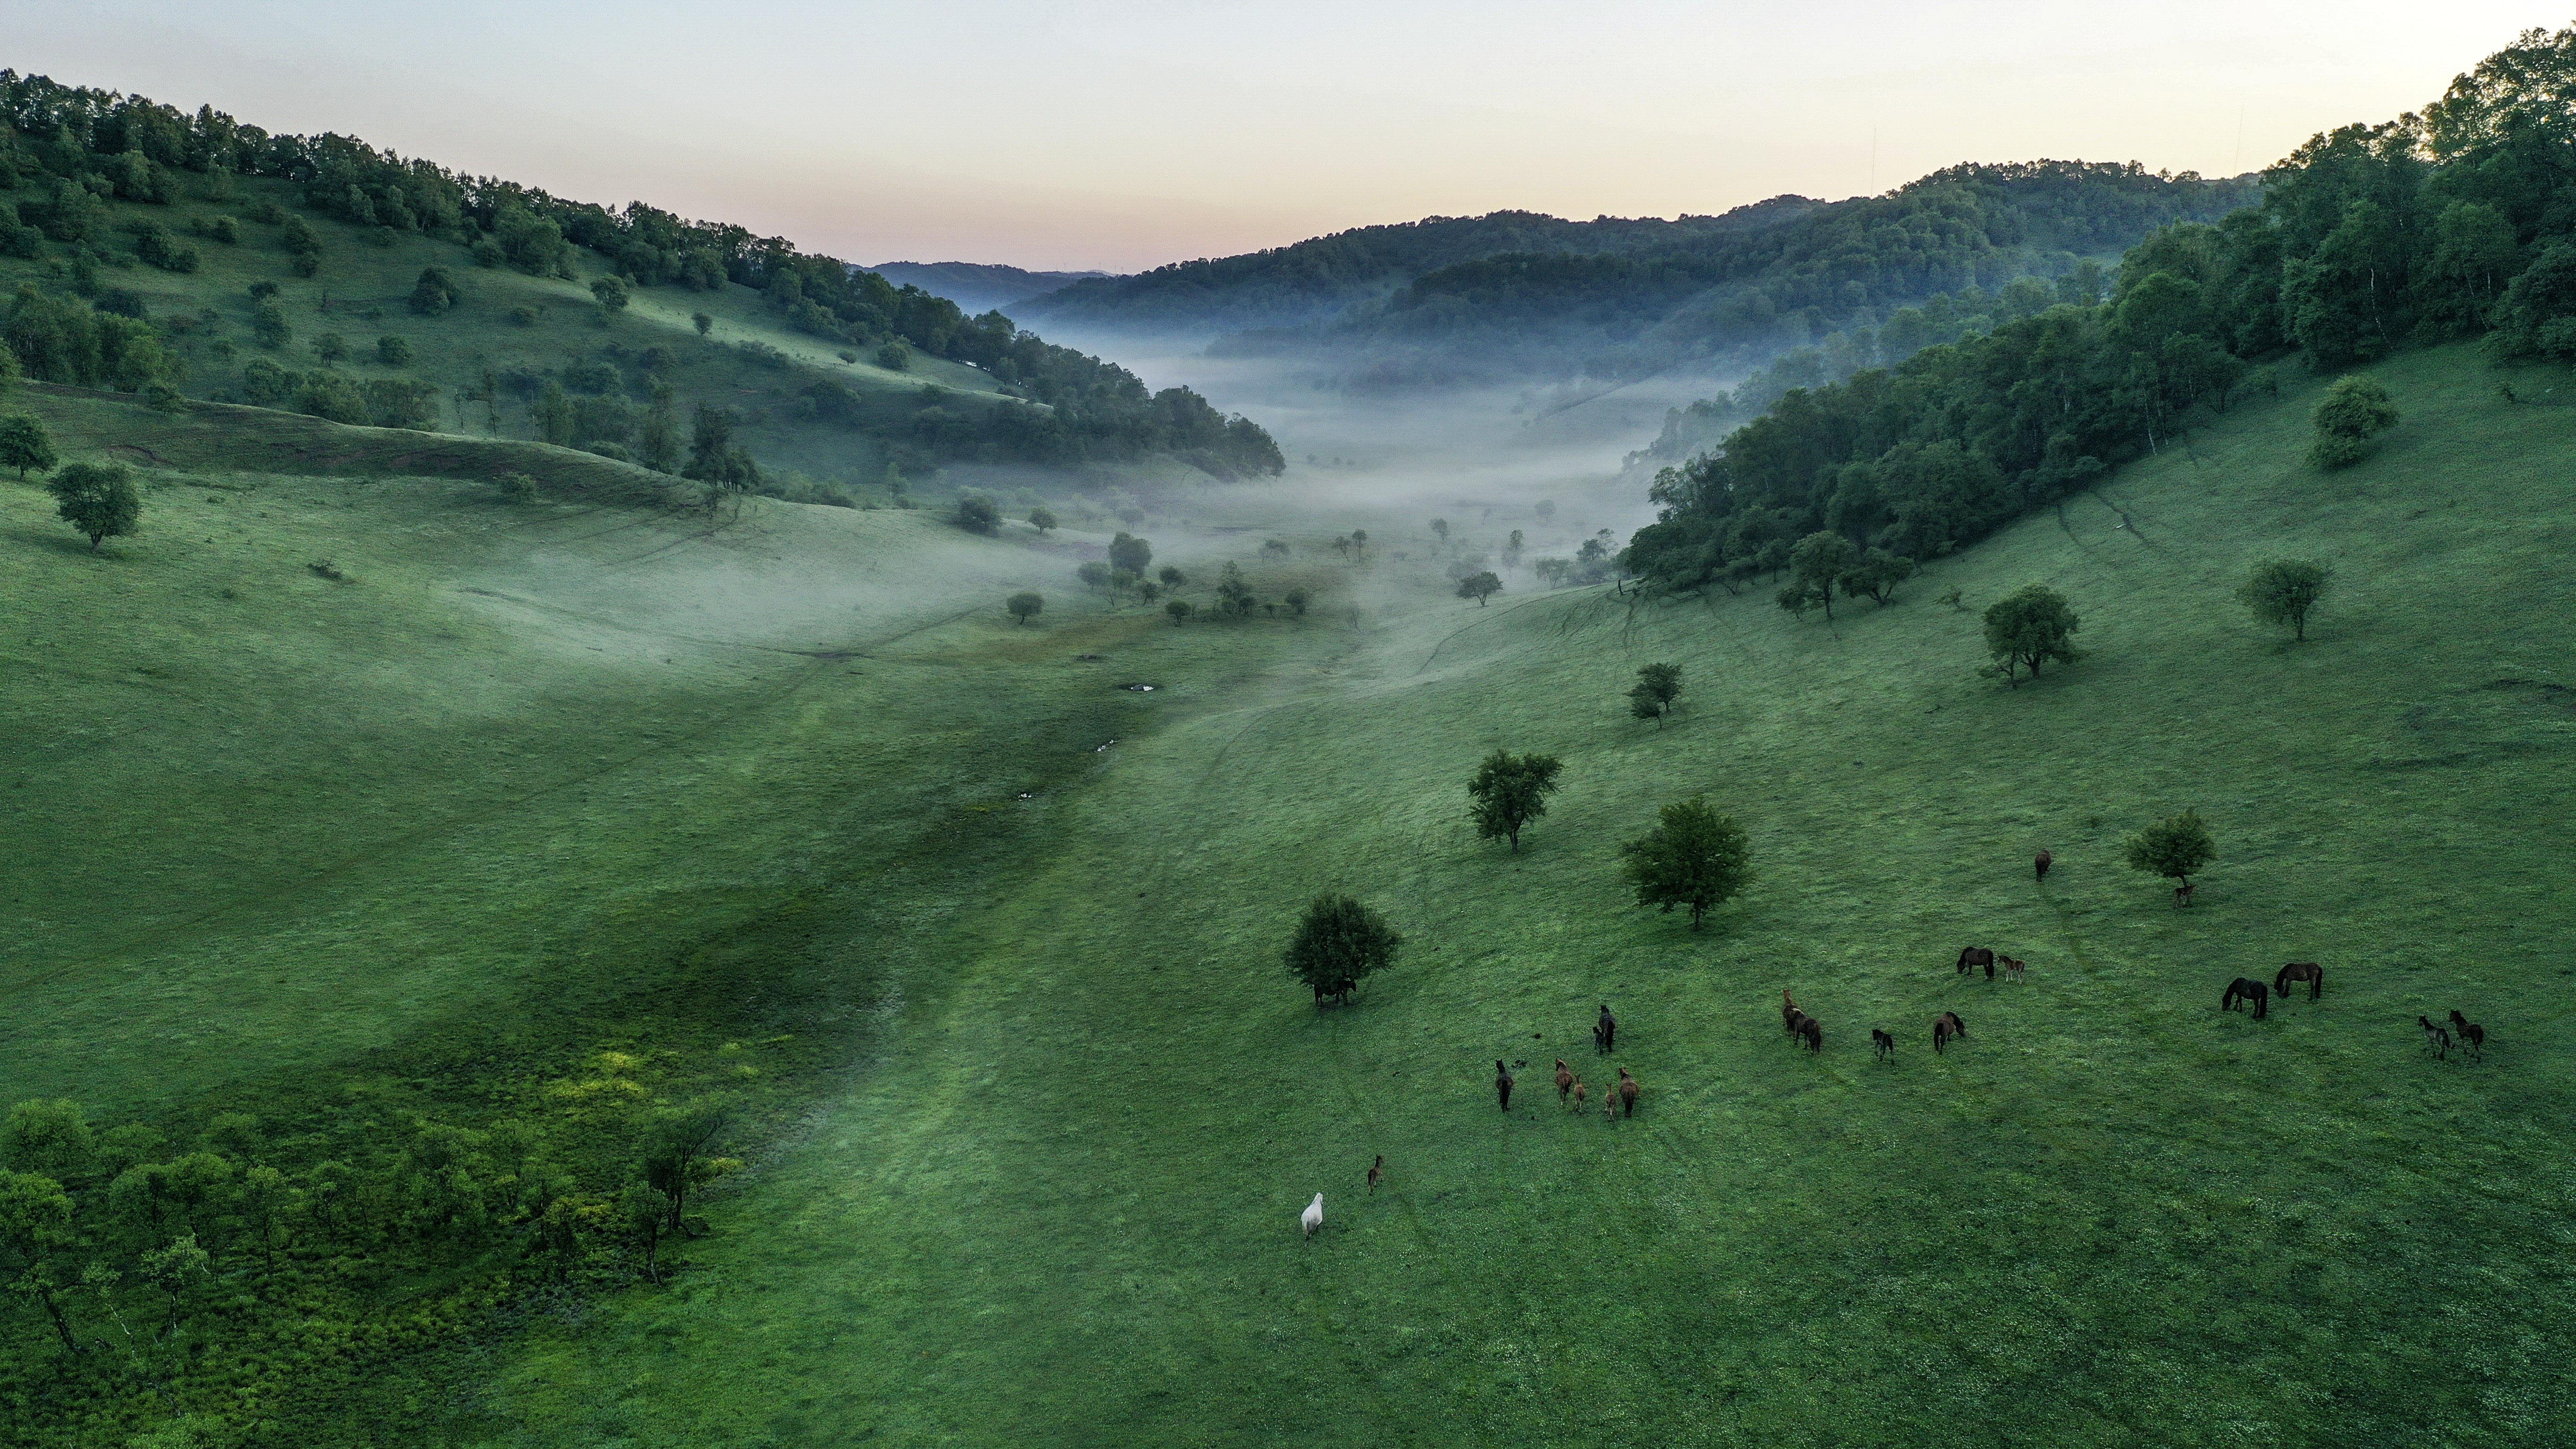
[(978, 286), (2457, 223), (142, 248)]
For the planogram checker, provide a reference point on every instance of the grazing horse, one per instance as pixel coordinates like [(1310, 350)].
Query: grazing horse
[(1944, 1027), (1977, 956), (2040, 863), (1628, 1090), (1605, 1032), (2012, 968), (1313, 1217), (1582, 1095), (2297, 971), (1810, 1034), (1502, 1084), (2472, 1035), (2182, 895), (1881, 1043), (1564, 1080), (1377, 1170), (2436, 1039), (2245, 988)]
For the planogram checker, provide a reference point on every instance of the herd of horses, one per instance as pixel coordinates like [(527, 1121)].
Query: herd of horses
[(1617, 1099)]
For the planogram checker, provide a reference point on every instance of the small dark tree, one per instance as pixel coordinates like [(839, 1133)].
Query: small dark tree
[(1024, 607), (895, 356), (1694, 857), (611, 294), (1876, 576), (98, 499), (1339, 942), (1479, 586), (1819, 560), (1041, 520), (1296, 600), (393, 351), (1508, 792), (1440, 526), (2353, 412), (434, 293), (1094, 575), (1180, 610), (704, 323), (1172, 578), (978, 514), (2283, 590), (2028, 627), (2175, 848), (1652, 696), (25, 444), (1131, 553), (1359, 542)]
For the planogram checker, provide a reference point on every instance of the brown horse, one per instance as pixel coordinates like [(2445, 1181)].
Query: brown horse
[(2040, 863), (1945, 1027), (2245, 988), (2297, 971), (2182, 895), (1881, 1043), (1502, 1084), (1564, 1080), (1977, 956), (1377, 1170), (2472, 1035), (1810, 1034), (2012, 968), (1628, 1090), (1788, 1006)]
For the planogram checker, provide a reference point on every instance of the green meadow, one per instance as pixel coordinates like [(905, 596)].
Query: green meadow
[(543, 808)]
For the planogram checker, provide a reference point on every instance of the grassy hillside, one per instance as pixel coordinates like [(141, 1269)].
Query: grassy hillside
[(1060, 1205)]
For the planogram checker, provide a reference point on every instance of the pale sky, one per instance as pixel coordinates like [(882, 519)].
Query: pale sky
[(1073, 134)]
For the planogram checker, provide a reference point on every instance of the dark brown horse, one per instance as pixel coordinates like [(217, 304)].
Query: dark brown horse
[(1788, 1006), (2436, 1039), (2297, 971), (1377, 1170), (1502, 1084), (1944, 1027), (2040, 863), (1605, 1032), (2245, 988), (1810, 1034), (1628, 1090), (2472, 1035), (1977, 956), (1881, 1043), (1564, 1079)]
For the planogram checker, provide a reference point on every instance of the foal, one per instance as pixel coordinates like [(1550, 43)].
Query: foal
[(2012, 967), (2436, 1039), (1503, 1084), (1881, 1043), (1564, 1080)]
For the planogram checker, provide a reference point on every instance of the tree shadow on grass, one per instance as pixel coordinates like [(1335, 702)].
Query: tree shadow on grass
[(60, 541)]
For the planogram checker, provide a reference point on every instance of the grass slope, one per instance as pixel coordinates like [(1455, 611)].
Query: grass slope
[(1057, 1201)]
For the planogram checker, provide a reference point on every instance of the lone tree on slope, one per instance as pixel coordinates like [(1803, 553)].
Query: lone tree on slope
[(978, 514), (1339, 942), (1652, 696), (2175, 848), (2028, 627), (1024, 606), (1041, 520), (25, 444), (1693, 857), (2353, 413), (98, 499), (1479, 586), (2283, 590), (1131, 553), (1509, 792)]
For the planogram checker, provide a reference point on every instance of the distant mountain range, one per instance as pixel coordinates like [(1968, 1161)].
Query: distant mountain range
[(979, 286)]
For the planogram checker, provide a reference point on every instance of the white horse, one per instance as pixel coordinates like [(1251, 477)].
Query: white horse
[(1313, 1217)]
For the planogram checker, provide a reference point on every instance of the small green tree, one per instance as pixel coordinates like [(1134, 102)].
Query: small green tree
[(331, 347), (1693, 857), (36, 1220), (393, 351), (49, 1136), (1024, 606), (1479, 587), (978, 514), (434, 293), (1131, 553), (1819, 560), (2353, 413), (1339, 942), (1297, 601), (98, 499), (1508, 792), (1652, 696), (2283, 590), (1876, 575), (895, 356), (1180, 610), (2028, 627), (1440, 526), (25, 444), (1172, 578), (2176, 848), (611, 295), (1041, 520), (1094, 575), (704, 323)]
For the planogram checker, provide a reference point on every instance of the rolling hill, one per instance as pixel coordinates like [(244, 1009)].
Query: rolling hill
[(979, 286)]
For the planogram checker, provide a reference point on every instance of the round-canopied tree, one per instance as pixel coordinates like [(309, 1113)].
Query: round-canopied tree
[(1131, 553), (1339, 942), (1479, 586), (1652, 696), (2175, 848), (1693, 857), (1024, 606), (98, 499), (1509, 791), (25, 444), (1041, 520), (2353, 412), (978, 514), (2283, 590), (2028, 627)]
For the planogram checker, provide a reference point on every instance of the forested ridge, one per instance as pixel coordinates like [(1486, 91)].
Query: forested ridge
[(2455, 223), (74, 155)]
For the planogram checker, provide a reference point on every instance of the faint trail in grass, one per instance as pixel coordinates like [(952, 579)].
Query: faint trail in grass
[(2126, 521), (1497, 614)]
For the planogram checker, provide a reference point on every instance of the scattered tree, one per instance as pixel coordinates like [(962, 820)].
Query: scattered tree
[(98, 499), (1024, 606), (331, 347), (1296, 600), (2176, 848), (611, 294), (435, 292), (1131, 553), (1041, 520), (1512, 551), (1339, 942), (393, 351), (2353, 412), (1694, 857), (1546, 509), (2028, 627), (704, 323), (2283, 590), (1359, 542), (1180, 610), (1818, 561), (1876, 575), (1274, 546), (1479, 586), (1552, 571), (1172, 578), (1233, 595), (978, 514), (1652, 696), (1508, 792), (1440, 526), (1094, 575), (25, 444), (895, 356)]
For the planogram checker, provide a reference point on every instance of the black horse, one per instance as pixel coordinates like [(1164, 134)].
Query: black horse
[(2245, 988), (1605, 1032), (2296, 972), (1882, 1043), (1977, 956)]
